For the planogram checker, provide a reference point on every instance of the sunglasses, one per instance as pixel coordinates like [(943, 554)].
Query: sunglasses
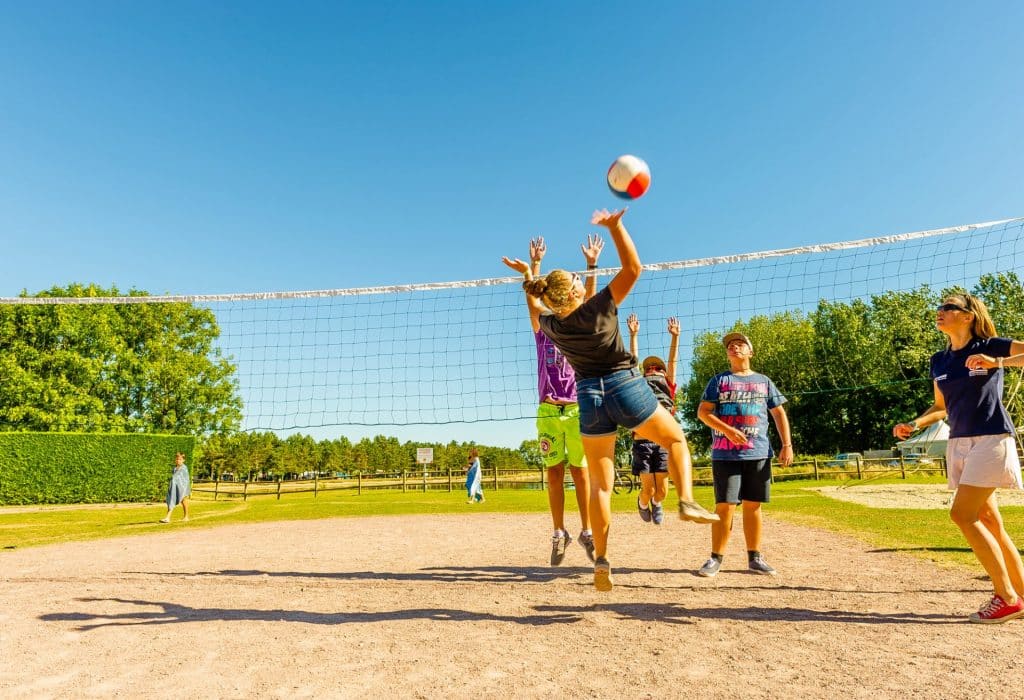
[(952, 307)]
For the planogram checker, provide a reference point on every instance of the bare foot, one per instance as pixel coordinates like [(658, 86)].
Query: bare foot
[(165, 520), (184, 520)]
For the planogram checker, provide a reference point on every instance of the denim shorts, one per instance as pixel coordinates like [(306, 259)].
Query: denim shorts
[(620, 398)]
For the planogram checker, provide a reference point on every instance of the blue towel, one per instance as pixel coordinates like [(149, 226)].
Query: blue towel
[(180, 488)]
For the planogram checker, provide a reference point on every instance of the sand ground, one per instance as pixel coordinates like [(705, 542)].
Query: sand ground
[(466, 605)]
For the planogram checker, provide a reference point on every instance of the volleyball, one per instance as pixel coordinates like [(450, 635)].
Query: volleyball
[(629, 177)]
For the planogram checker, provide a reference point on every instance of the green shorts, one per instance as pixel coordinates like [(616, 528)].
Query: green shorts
[(558, 432)]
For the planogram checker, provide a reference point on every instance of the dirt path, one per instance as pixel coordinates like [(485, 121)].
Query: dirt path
[(466, 606)]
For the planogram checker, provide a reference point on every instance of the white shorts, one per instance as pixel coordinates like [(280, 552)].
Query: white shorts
[(986, 461)]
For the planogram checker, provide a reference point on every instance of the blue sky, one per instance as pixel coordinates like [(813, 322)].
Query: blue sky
[(196, 147)]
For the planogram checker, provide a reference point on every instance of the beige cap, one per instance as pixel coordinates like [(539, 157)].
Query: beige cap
[(653, 361), (729, 337)]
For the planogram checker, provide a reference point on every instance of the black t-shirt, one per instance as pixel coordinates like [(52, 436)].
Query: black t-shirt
[(665, 392), (589, 337)]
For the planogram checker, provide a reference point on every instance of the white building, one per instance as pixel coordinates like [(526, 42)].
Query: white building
[(931, 441)]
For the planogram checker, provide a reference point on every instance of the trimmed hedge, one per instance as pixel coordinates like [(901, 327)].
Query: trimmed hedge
[(87, 467)]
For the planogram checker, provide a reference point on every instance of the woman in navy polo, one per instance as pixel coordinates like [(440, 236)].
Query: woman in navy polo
[(981, 455)]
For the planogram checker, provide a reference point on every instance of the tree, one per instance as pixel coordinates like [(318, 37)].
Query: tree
[(127, 367)]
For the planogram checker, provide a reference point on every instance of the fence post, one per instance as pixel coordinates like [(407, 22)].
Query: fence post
[(316, 484), (403, 481), (424, 481), (216, 487), (245, 489), (359, 483), (495, 477), (449, 479), (815, 468), (903, 470), (857, 462), (279, 488), (541, 478)]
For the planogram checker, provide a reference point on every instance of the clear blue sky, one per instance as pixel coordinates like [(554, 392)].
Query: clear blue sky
[(197, 147)]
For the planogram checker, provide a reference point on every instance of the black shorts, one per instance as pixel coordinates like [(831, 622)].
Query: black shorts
[(649, 458), (742, 480)]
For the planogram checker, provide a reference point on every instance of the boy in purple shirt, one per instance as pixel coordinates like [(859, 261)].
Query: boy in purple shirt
[(558, 414)]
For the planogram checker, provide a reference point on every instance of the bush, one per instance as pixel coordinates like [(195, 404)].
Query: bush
[(87, 467)]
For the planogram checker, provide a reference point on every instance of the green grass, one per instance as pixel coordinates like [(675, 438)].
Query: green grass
[(927, 533)]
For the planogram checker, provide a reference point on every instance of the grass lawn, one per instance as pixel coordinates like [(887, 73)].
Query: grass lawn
[(927, 533)]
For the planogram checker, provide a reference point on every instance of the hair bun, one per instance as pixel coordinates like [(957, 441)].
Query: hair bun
[(536, 287)]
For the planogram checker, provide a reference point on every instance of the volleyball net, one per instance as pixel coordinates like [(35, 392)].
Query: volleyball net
[(463, 352)]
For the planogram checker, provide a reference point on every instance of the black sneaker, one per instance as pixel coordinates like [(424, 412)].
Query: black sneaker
[(586, 541), (710, 568), (759, 565), (645, 513), (657, 513), (602, 575), (559, 543), (694, 512)]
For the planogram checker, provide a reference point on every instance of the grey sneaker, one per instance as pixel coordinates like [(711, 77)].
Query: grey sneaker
[(602, 575), (559, 543), (645, 513), (657, 513), (587, 542), (710, 568), (694, 512), (760, 566)]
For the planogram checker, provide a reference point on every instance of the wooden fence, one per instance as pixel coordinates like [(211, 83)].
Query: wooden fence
[(536, 478)]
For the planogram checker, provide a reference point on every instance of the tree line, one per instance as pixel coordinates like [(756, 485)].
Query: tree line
[(267, 456)]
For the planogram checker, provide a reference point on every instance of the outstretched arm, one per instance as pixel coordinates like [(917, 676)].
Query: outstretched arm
[(529, 271), (592, 251), (673, 350), (933, 414), (633, 324), (626, 277)]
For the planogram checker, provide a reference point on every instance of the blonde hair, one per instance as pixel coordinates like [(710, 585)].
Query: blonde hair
[(554, 289), (981, 326)]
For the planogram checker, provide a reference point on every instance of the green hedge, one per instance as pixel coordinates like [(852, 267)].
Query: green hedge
[(87, 467)]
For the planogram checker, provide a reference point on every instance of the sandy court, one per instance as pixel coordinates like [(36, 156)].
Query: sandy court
[(922, 496), (466, 606)]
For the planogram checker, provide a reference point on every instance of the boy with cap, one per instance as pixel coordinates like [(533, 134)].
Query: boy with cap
[(650, 461), (735, 405)]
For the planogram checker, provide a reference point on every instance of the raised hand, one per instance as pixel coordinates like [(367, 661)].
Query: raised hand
[(603, 217), (673, 326), (592, 250), (537, 249), (633, 324), (520, 266)]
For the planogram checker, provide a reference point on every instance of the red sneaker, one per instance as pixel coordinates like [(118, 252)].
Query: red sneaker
[(998, 610)]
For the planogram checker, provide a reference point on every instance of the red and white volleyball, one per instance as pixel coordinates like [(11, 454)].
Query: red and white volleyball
[(629, 177)]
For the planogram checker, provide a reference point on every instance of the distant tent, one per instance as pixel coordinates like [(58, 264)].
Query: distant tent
[(930, 441)]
